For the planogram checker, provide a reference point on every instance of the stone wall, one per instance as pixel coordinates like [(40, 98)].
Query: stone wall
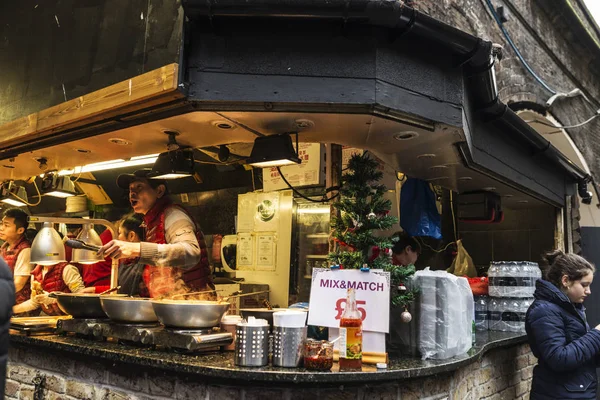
[(503, 373)]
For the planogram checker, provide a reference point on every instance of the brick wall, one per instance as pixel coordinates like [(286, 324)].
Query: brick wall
[(500, 374)]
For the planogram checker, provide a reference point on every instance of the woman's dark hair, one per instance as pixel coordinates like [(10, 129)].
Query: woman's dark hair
[(402, 240), (134, 223), (573, 266)]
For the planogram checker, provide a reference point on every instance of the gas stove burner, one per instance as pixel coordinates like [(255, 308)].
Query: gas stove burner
[(136, 325), (204, 331), (190, 340)]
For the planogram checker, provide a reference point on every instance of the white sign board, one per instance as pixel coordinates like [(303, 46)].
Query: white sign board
[(328, 297), (308, 173)]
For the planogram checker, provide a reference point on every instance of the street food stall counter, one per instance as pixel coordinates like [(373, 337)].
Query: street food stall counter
[(60, 365)]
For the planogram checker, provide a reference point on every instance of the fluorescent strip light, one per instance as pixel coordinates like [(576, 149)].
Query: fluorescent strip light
[(60, 194), (13, 202), (275, 163), (113, 164), (171, 176)]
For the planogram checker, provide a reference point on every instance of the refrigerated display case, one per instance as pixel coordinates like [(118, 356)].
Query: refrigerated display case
[(312, 229)]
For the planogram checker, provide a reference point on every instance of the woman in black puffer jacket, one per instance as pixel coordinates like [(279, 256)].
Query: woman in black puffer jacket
[(558, 332), (7, 300)]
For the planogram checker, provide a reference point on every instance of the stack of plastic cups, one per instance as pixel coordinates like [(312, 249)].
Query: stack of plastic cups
[(511, 288)]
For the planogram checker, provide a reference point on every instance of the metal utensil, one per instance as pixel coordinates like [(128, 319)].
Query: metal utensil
[(110, 290), (128, 309), (80, 244), (231, 296), (195, 293), (189, 314)]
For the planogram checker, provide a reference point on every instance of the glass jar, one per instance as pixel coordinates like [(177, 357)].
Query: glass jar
[(318, 355)]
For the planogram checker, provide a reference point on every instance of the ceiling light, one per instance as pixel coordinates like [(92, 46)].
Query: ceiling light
[(426, 156), (47, 247), (439, 178), (58, 186), (406, 135), (439, 167), (174, 164), (523, 201), (119, 141), (274, 151), (12, 194), (89, 236), (489, 188), (465, 178), (113, 164)]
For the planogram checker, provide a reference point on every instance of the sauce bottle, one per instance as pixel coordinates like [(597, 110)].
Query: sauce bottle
[(351, 335)]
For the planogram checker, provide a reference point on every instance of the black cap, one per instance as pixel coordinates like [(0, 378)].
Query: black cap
[(146, 174)]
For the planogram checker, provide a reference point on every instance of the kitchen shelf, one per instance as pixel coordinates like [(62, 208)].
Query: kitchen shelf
[(317, 256)]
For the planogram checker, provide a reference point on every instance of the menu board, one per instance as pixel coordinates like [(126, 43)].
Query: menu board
[(310, 172), (328, 297)]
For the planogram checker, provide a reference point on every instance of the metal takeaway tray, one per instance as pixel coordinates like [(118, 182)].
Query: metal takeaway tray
[(36, 324)]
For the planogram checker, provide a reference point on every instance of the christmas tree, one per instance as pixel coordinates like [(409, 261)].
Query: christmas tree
[(363, 210)]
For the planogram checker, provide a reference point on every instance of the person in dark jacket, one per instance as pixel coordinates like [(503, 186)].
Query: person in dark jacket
[(558, 332), (7, 301)]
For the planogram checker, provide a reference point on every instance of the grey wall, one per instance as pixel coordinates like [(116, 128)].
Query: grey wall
[(523, 236)]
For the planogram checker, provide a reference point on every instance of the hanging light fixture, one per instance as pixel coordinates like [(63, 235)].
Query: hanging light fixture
[(87, 235), (274, 151), (47, 247), (12, 194), (174, 164), (58, 186)]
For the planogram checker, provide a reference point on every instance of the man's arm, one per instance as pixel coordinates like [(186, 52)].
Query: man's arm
[(73, 279), (182, 249), (23, 269)]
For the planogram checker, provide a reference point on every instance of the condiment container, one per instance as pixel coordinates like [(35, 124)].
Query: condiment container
[(252, 343), (229, 324), (289, 333), (318, 355)]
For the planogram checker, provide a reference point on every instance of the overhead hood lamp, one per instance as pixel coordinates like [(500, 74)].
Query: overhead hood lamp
[(87, 235), (47, 247), (58, 186), (174, 164), (12, 194), (274, 151)]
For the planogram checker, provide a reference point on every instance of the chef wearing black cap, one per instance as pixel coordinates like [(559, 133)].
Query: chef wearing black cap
[(174, 250)]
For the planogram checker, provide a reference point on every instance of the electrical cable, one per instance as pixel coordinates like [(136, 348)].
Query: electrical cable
[(517, 52), (324, 200), (39, 196), (579, 125)]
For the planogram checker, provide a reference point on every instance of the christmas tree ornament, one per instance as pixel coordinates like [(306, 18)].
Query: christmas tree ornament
[(402, 288), (405, 317), (371, 215)]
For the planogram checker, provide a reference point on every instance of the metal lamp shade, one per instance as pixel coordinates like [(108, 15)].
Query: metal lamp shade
[(273, 151), (174, 164), (89, 236), (47, 247)]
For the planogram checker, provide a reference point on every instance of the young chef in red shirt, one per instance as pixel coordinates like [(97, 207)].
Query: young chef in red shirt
[(16, 251), (174, 250)]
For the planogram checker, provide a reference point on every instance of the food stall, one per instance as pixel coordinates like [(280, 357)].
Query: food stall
[(213, 109)]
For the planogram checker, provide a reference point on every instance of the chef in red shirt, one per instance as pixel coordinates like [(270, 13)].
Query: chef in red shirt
[(174, 251)]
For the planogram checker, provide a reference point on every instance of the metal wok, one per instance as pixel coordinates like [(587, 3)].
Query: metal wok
[(190, 314), (128, 309), (81, 305)]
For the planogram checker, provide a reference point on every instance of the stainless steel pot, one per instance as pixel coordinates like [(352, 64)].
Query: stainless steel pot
[(128, 309), (81, 305), (189, 314)]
